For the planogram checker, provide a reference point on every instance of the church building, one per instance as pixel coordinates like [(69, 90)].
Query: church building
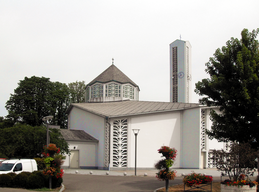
[(101, 131)]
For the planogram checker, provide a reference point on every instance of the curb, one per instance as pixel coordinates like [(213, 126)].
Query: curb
[(158, 189), (62, 188)]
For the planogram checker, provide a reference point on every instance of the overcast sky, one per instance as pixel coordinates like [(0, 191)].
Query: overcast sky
[(75, 40)]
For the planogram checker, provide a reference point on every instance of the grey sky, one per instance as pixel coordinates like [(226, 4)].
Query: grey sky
[(70, 41)]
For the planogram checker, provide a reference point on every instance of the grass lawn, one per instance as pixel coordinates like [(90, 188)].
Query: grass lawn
[(180, 188)]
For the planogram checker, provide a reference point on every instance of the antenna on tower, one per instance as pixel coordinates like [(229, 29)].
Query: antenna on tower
[(112, 61), (180, 37)]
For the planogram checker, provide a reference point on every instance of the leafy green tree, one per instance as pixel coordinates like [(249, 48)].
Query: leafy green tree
[(4, 122), (59, 103), (77, 91), (22, 141), (37, 97), (233, 86), (30, 101)]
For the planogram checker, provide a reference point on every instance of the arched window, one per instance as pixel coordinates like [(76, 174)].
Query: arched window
[(128, 91), (97, 91), (113, 90)]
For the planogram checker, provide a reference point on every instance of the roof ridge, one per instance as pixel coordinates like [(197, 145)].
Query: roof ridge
[(112, 73)]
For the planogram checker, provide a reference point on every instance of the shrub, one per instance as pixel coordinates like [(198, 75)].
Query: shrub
[(44, 177), (21, 179), (13, 175), (35, 181), (56, 182), (240, 159), (5, 180), (40, 163)]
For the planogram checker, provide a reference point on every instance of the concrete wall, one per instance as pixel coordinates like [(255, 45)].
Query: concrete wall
[(191, 139), (155, 131), (213, 144), (91, 124), (87, 154)]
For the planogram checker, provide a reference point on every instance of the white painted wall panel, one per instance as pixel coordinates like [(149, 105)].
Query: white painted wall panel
[(213, 144), (87, 154), (191, 140), (93, 125), (155, 131)]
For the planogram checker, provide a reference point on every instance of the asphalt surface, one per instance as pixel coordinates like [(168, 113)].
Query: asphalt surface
[(92, 183), (82, 180)]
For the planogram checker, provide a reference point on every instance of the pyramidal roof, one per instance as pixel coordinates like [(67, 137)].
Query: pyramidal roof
[(112, 73)]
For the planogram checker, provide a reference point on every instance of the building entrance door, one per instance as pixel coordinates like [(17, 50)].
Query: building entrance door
[(74, 159)]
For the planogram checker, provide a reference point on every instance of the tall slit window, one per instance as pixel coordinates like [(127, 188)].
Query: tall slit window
[(175, 75)]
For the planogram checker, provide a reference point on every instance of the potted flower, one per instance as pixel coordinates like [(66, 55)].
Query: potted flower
[(51, 149), (194, 179), (168, 152), (163, 175), (163, 165), (53, 161)]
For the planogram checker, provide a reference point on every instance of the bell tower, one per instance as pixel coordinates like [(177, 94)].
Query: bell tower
[(180, 72)]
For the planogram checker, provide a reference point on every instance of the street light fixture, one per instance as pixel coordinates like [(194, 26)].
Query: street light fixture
[(47, 121), (135, 131)]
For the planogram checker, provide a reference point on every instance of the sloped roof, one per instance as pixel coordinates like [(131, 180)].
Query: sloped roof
[(76, 135), (131, 108), (112, 73)]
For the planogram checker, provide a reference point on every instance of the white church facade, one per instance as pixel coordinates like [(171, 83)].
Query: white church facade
[(100, 131)]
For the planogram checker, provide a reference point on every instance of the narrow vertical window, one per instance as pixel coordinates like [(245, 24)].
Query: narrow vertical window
[(175, 74)]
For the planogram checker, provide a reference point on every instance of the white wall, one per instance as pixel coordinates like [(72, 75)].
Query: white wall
[(191, 139), (155, 131), (213, 144), (87, 154), (91, 124)]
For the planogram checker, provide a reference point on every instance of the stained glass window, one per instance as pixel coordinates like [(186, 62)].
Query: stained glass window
[(113, 90), (128, 91), (97, 91)]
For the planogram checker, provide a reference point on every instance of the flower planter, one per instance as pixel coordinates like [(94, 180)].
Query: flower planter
[(201, 187), (247, 188)]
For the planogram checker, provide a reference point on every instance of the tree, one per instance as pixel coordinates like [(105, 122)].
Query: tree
[(59, 104), (22, 141), (37, 97), (77, 91), (240, 159), (30, 101), (233, 86), (4, 122)]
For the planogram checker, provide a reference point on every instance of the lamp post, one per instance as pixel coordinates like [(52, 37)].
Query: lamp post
[(47, 121), (135, 131)]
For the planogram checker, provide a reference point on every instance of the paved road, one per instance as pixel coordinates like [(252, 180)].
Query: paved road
[(103, 183), (98, 181)]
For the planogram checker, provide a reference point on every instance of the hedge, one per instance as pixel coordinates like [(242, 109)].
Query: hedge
[(28, 180)]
